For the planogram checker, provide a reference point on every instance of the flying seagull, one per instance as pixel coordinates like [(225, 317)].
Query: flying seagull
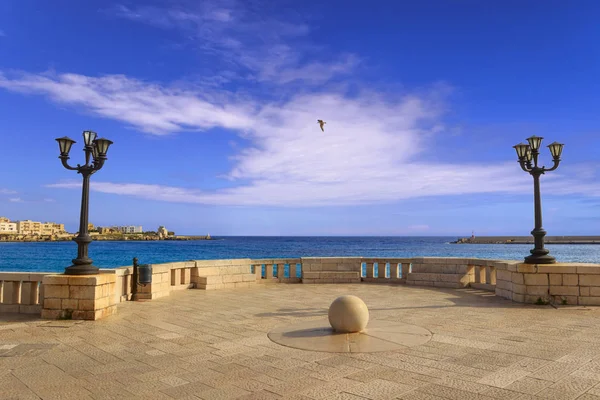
[(321, 123)]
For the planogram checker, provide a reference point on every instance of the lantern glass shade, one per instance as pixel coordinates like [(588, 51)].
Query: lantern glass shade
[(95, 150), (522, 149), (64, 144), (103, 145), (528, 156), (535, 142), (556, 149), (89, 137)]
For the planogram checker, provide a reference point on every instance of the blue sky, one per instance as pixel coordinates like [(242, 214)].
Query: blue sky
[(212, 107)]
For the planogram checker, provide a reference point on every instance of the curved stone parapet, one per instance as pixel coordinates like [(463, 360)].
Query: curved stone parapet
[(560, 283)]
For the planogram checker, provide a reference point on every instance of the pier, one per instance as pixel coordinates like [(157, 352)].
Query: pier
[(528, 240)]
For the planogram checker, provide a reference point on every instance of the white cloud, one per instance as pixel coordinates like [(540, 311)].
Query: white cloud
[(372, 149), (247, 39), (369, 152), (15, 200), (149, 107), (7, 191)]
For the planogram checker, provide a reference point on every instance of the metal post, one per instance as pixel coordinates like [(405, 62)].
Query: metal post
[(95, 151), (539, 255), (528, 160), (82, 265), (134, 280)]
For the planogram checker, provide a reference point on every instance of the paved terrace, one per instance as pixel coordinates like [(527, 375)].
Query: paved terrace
[(213, 345)]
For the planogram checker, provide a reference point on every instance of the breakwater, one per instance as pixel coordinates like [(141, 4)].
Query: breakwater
[(528, 240)]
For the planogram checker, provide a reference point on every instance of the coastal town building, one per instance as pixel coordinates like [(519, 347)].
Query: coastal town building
[(162, 232), (29, 227), (131, 229), (8, 227), (119, 229)]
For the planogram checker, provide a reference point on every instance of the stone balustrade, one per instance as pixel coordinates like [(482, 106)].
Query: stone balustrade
[(21, 292), (65, 296)]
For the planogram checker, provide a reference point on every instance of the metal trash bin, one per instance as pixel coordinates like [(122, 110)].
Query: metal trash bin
[(145, 274)]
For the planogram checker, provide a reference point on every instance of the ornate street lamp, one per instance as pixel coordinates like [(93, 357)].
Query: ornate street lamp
[(526, 154), (95, 149)]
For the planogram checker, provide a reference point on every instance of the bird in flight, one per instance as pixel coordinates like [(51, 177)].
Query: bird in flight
[(321, 123)]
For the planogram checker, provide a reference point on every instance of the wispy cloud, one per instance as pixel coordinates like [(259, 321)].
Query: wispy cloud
[(368, 153), (15, 200), (7, 191), (151, 108), (247, 39)]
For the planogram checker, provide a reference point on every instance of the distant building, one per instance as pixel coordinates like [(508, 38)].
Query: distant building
[(103, 230), (7, 227), (29, 227), (119, 229), (162, 232), (52, 228), (131, 229), (90, 227)]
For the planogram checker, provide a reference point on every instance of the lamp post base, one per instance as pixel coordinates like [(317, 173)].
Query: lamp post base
[(540, 259), (82, 270)]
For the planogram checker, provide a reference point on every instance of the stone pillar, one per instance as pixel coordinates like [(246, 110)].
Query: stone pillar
[(269, 271), (370, 267), (381, 267), (292, 270), (488, 275), (395, 268), (405, 270), (88, 297), (258, 271)]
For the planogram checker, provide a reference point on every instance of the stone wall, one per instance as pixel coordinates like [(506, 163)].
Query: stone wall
[(331, 269), (223, 274), (93, 297), (564, 283), (79, 297)]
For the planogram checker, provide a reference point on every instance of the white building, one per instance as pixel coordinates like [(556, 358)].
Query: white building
[(131, 229), (8, 227)]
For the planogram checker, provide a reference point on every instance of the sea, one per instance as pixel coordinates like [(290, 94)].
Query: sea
[(55, 256)]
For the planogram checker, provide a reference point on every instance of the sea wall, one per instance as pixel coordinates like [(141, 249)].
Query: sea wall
[(55, 295)]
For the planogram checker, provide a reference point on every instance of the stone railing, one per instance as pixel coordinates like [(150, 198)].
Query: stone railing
[(282, 270), (21, 292), (87, 298), (565, 283)]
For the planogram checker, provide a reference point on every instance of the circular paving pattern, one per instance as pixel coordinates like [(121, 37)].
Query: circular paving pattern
[(380, 335)]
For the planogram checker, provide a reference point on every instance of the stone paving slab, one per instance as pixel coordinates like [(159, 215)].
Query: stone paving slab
[(214, 345)]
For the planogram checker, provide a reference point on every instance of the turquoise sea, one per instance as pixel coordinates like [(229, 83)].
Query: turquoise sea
[(55, 256)]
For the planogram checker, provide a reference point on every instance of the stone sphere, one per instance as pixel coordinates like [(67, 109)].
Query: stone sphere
[(348, 314)]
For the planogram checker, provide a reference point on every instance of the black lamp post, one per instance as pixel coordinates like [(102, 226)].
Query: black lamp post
[(527, 153), (96, 148)]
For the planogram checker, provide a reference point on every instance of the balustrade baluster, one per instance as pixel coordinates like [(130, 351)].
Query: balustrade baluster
[(405, 270), (381, 267), (370, 270), (269, 271), (395, 269)]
